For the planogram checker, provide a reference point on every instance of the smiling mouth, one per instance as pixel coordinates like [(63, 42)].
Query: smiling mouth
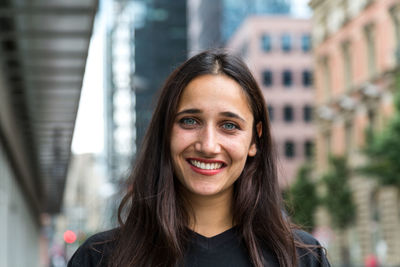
[(206, 165)]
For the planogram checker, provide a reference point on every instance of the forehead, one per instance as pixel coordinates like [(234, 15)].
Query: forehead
[(214, 92)]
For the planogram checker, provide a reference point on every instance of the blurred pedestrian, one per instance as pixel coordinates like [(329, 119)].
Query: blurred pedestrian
[(204, 188), (371, 261)]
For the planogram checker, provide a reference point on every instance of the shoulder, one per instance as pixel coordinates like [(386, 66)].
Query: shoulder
[(94, 251), (305, 237), (311, 254)]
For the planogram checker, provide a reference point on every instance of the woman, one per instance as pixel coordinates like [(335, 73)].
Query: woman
[(204, 189)]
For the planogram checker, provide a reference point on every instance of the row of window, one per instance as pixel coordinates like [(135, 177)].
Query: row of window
[(349, 59), (350, 134), (288, 113), (286, 44), (290, 149), (286, 78)]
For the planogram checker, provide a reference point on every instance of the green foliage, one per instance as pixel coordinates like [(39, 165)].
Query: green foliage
[(397, 89), (302, 199), (338, 199), (383, 149)]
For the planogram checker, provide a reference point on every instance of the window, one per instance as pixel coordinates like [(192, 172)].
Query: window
[(348, 137), (347, 68), (327, 147), (395, 14), (288, 113), (370, 38), (307, 113), (308, 149), (327, 144), (307, 78), (286, 43), (290, 149), (325, 66), (287, 78), (266, 43), (374, 206), (306, 42), (372, 119), (267, 78), (271, 112)]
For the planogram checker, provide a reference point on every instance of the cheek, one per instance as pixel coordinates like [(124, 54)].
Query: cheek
[(238, 149), (180, 140), (176, 148), (175, 144)]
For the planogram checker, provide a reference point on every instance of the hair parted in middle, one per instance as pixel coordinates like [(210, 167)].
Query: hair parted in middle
[(155, 230)]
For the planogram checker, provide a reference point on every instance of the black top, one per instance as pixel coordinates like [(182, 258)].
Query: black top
[(222, 250)]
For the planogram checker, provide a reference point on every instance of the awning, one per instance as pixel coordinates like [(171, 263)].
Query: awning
[(43, 51)]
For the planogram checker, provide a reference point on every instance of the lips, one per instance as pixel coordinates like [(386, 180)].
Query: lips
[(206, 167)]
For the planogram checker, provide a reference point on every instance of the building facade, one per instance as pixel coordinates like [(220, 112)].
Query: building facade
[(19, 225), (235, 12), (356, 48), (204, 25), (141, 51), (119, 97), (212, 23), (160, 45), (278, 52), (43, 51)]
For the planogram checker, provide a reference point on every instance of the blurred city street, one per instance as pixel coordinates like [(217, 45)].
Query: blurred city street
[(79, 81)]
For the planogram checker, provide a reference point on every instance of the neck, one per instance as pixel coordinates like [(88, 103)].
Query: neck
[(211, 215)]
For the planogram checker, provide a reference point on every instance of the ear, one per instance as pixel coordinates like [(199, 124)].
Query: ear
[(253, 147), (252, 150)]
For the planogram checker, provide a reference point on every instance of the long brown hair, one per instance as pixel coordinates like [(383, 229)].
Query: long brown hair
[(155, 231)]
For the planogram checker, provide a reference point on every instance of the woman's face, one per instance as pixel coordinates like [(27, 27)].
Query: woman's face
[(212, 135)]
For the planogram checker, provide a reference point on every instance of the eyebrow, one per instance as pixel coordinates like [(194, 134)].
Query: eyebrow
[(189, 111), (225, 113), (232, 115)]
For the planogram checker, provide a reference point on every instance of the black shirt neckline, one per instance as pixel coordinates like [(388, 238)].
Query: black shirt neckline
[(210, 243)]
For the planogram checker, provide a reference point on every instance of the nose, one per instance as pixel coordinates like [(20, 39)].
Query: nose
[(207, 141)]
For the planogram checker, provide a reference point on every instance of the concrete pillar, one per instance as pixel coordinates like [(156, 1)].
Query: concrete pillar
[(362, 189), (389, 213)]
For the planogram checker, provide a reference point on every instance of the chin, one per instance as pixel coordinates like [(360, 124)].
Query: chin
[(206, 190)]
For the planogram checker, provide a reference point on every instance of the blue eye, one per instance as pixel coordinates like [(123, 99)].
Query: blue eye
[(188, 121), (229, 126)]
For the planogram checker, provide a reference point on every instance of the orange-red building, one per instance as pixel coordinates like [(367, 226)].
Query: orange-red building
[(357, 48)]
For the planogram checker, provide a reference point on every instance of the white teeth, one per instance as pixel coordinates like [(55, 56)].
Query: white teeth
[(206, 166)]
